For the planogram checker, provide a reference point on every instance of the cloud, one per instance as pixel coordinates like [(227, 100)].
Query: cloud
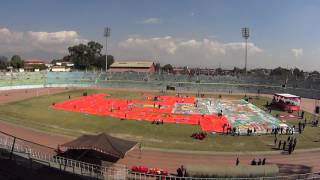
[(206, 47), (170, 45), (69, 37), (152, 21), (297, 52), (180, 51), (157, 44), (212, 36), (241, 45), (26, 42), (7, 36)]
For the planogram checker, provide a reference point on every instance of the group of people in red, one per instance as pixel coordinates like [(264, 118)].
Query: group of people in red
[(151, 171), (181, 171), (199, 135), (227, 129)]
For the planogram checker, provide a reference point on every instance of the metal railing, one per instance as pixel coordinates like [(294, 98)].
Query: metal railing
[(109, 171), (144, 176)]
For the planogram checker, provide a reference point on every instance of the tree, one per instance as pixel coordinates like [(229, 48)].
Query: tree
[(219, 71), (258, 72), (87, 56), (315, 73), (100, 62), (110, 60), (54, 61), (298, 73), (94, 55), (79, 56), (16, 62), (3, 62), (237, 71), (66, 58), (94, 48), (167, 68), (279, 71)]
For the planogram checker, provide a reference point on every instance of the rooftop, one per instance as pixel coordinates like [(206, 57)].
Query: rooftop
[(125, 64), (286, 95), (34, 61)]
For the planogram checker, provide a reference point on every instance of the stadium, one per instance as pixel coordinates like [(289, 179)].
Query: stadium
[(159, 121), (198, 90)]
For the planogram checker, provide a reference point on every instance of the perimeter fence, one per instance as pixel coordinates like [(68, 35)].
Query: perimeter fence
[(142, 176), (46, 155)]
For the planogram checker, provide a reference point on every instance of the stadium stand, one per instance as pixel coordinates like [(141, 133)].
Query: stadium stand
[(309, 88), (76, 78), (22, 78)]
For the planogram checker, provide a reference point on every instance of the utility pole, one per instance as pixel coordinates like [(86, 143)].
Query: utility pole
[(245, 35), (106, 35)]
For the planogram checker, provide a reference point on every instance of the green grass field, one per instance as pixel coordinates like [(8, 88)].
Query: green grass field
[(35, 113)]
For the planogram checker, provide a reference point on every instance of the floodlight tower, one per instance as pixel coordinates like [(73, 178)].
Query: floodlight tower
[(106, 35), (245, 35)]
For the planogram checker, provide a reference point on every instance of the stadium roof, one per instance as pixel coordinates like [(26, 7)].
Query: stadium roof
[(34, 61), (142, 70), (286, 95), (126, 64), (102, 143)]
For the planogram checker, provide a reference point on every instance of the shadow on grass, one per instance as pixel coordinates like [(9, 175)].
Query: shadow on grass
[(291, 169)]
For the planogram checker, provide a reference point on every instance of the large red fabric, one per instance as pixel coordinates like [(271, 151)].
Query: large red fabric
[(146, 110)]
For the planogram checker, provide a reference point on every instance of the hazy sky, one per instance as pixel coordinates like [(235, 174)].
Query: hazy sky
[(204, 33)]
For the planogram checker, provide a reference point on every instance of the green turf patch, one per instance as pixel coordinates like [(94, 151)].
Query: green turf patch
[(35, 113), (227, 171)]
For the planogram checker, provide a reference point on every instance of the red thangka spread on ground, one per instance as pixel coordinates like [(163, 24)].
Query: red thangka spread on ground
[(146, 110)]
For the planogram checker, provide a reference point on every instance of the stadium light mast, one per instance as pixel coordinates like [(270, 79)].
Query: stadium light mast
[(245, 35), (106, 35)]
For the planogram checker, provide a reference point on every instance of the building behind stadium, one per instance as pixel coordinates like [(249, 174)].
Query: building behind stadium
[(133, 66)]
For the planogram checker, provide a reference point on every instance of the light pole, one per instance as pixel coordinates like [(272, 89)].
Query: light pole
[(245, 35), (106, 35)]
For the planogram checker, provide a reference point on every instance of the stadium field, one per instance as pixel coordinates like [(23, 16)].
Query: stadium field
[(35, 113)]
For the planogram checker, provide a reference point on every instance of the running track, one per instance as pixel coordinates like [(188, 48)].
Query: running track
[(171, 160)]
